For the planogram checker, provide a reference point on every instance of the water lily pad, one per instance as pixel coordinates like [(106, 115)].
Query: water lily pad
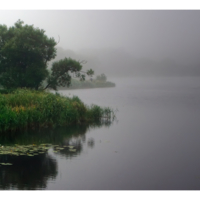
[(46, 144), (31, 149), (6, 163), (72, 150)]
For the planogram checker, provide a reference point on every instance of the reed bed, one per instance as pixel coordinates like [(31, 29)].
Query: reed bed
[(23, 109)]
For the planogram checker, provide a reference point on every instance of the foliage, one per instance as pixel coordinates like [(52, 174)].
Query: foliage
[(76, 84), (62, 70), (24, 53), (23, 109), (101, 77), (6, 91)]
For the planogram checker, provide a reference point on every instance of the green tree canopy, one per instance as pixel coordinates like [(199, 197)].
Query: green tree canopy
[(101, 78), (24, 53), (62, 71)]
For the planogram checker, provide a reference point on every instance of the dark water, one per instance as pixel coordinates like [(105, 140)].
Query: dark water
[(153, 145)]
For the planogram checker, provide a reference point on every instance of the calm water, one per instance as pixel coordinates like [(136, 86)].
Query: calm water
[(153, 144)]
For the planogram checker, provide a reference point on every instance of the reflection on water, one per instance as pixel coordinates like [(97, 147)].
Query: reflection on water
[(34, 172), (91, 142), (27, 172), (154, 145)]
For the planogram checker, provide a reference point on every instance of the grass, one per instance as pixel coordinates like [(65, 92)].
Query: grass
[(23, 109)]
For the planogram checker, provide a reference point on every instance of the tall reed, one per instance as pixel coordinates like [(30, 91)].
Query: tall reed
[(22, 109)]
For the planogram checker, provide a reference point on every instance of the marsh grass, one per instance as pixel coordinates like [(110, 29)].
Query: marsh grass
[(23, 109)]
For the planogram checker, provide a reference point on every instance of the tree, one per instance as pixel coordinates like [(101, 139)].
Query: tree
[(62, 71), (101, 78), (24, 53)]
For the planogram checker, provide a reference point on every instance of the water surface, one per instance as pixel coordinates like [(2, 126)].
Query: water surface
[(153, 144)]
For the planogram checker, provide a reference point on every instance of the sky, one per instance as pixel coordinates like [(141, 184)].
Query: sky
[(152, 34)]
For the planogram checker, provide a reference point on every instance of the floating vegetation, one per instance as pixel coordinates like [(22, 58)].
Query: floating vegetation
[(72, 150), (32, 150), (6, 163), (19, 150)]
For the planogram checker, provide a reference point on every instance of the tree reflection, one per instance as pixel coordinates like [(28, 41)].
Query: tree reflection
[(91, 142), (35, 172), (27, 172)]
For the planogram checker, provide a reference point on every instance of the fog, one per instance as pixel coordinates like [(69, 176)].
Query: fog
[(122, 42)]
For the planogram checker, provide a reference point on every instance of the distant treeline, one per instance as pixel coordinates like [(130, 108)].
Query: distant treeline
[(99, 82), (119, 63)]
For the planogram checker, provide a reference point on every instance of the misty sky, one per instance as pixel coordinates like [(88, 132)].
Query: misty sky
[(153, 34)]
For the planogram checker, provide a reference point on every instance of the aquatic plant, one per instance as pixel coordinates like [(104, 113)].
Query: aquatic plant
[(32, 149), (25, 108)]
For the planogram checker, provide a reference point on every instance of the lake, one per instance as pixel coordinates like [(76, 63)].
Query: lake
[(153, 144)]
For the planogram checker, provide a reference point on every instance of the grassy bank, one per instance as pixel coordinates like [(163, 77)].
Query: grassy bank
[(22, 109), (76, 84)]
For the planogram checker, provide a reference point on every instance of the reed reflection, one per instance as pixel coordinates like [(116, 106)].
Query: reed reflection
[(34, 172)]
